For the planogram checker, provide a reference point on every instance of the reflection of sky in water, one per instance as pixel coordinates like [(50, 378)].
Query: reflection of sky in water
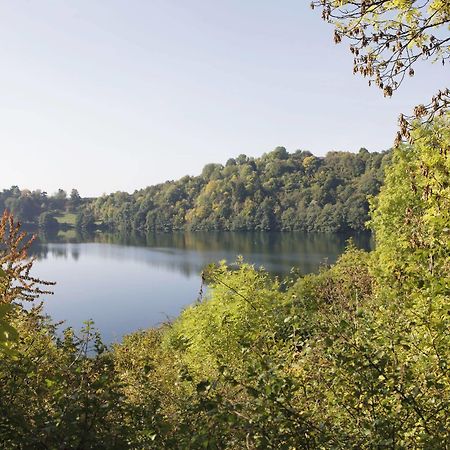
[(120, 292), (127, 287)]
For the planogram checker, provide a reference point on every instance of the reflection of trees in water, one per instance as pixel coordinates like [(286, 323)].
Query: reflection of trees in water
[(75, 253), (277, 252), (189, 252), (42, 251), (243, 242)]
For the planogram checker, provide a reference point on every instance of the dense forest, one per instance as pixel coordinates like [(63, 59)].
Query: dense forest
[(354, 357), (279, 191)]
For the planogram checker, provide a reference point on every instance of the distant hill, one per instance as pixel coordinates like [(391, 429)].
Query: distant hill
[(278, 191)]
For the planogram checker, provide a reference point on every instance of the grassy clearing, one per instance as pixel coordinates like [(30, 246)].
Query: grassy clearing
[(66, 218)]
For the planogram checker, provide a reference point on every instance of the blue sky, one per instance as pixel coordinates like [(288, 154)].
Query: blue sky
[(107, 95)]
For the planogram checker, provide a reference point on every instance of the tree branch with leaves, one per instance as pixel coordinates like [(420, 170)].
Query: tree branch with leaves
[(16, 282), (388, 38)]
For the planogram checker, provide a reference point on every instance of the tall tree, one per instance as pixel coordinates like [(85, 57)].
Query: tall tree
[(75, 199)]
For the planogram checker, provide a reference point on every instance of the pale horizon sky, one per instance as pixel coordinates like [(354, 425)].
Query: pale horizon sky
[(118, 95)]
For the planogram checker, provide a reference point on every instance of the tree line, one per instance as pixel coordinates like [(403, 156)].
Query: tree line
[(279, 191), (38, 207)]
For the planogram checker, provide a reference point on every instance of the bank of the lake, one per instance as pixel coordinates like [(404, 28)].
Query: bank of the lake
[(127, 282)]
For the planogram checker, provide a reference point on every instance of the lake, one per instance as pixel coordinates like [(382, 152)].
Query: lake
[(130, 282)]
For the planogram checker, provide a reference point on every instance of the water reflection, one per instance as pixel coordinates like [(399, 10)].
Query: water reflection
[(188, 253), (127, 282)]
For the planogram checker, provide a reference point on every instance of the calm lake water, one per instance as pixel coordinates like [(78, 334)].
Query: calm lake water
[(125, 283)]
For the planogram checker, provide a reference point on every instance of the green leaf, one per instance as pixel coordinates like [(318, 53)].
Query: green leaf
[(7, 332), (5, 308)]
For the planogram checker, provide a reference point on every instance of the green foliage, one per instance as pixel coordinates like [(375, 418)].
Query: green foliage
[(39, 209), (58, 393), (8, 334), (412, 215), (47, 221), (85, 220), (279, 191), (240, 306)]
